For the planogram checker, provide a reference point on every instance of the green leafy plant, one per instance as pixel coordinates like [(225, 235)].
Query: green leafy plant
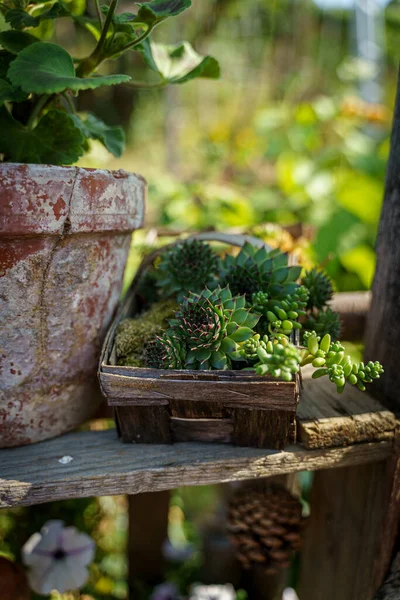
[(39, 80)]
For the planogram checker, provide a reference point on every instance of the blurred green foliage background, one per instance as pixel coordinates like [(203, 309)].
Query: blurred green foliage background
[(283, 137)]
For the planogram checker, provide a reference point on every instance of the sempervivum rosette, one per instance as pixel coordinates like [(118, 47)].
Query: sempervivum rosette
[(258, 269), (211, 325), (187, 266), (165, 352)]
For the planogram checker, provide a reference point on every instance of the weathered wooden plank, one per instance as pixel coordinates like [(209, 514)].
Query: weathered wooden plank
[(345, 543), (202, 430), (102, 465), (326, 418)]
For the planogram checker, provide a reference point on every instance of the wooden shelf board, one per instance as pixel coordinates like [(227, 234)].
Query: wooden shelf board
[(327, 419), (102, 465)]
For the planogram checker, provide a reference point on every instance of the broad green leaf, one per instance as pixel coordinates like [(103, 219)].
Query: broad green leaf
[(152, 13), (179, 63), (6, 59), (360, 260), (15, 41), (46, 68), (19, 18), (55, 140), (9, 93), (113, 138)]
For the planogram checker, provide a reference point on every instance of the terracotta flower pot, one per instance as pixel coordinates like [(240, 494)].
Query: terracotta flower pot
[(64, 239)]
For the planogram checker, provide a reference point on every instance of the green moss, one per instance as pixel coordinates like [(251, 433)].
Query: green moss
[(133, 334)]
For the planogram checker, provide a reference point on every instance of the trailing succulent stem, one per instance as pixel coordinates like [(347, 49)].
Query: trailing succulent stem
[(329, 358)]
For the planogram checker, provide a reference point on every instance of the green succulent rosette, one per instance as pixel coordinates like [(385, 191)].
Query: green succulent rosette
[(186, 267), (258, 269), (212, 325), (319, 287), (165, 352)]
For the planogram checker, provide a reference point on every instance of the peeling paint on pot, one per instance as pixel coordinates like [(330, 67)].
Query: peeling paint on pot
[(64, 239)]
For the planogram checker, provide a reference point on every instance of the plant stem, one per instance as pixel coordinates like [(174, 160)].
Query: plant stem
[(70, 103), (145, 86), (99, 13), (37, 110), (88, 65), (135, 42)]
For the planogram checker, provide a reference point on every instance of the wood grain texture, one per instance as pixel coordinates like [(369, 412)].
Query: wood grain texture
[(145, 542), (264, 428), (144, 425), (135, 390), (101, 465), (202, 430), (327, 419), (344, 538), (353, 308), (382, 337)]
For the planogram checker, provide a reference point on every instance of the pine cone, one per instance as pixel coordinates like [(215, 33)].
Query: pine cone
[(265, 527)]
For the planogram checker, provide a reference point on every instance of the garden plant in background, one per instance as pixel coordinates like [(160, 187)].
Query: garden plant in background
[(240, 311), (38, 80)]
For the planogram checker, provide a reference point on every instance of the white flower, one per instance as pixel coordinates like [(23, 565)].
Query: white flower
[(212, 592), (57, 558), (165, 591), (289, 594)]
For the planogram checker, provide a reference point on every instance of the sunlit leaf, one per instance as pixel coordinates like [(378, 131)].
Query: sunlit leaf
[(46, 68), (361, 195), (179, 63), (18, 18), (113, 138), (153, 12), (55, 140), (360, 260)]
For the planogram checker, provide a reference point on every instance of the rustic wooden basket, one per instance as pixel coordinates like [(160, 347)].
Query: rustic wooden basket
[(165, 406)]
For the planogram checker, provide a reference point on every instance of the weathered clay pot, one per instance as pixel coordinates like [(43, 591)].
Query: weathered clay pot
[(64, 238)]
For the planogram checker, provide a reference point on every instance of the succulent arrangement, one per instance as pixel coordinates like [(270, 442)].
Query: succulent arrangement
[(252, 310)]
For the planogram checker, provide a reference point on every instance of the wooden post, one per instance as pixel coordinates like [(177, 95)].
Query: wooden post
[(382, 340), (148, 527), (351, 531)]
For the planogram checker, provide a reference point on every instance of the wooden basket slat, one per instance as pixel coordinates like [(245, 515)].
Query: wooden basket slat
[(202, 430)]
